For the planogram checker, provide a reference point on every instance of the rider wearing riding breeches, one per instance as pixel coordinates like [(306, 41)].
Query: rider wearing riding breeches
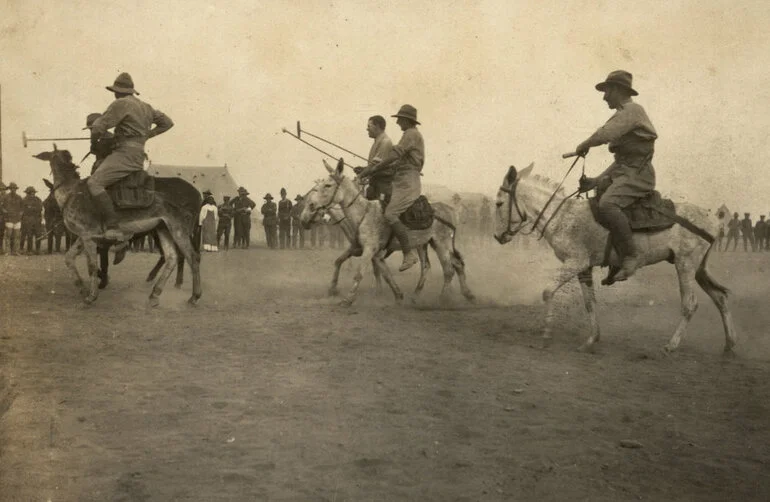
[(406, 159), (133, 120), (631, 138)]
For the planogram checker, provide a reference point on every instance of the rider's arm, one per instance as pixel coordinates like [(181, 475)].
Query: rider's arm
[(162, 123), (622, 122)]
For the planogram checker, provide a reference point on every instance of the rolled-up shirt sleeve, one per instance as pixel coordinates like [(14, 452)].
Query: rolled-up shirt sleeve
[(623, 122), (162, 123)]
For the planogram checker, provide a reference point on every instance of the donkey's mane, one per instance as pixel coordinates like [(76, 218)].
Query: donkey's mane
[(548, 183)]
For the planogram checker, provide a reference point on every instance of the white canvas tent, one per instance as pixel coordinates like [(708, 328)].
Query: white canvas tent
[(215, 178)]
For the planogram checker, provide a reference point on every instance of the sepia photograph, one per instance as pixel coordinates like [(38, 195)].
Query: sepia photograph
[(361, 251)]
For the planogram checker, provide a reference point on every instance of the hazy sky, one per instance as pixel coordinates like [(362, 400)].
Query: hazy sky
[(495, 82)]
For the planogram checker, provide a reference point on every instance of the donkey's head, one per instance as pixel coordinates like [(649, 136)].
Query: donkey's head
[(62, 167), (510, 217), (325, 194)]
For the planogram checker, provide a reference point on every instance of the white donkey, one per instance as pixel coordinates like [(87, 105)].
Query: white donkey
[(579, 242), (368, 228)]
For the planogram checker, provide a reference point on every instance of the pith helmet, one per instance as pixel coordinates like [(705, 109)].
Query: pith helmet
[(91, 119), (123, 84), (268, 197), (12, 186), (298, 197), (621, 78), (407, 112), (243, 191), (30, 189)]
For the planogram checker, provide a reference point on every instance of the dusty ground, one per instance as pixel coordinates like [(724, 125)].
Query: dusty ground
[(269, 391)]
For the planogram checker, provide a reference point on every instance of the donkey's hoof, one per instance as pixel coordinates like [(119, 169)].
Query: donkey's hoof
[(193, 300), (153, 302), (333, 291), (667, 350), (89, 299), (470, 297), (587, 348), (347, 302), (178, 285), (545, 342), (729, 353)]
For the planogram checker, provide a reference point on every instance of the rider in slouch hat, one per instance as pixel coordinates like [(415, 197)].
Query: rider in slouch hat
[(631, 138)]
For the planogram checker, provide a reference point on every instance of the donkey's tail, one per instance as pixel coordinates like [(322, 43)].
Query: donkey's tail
[(704, 278), (452, 227)]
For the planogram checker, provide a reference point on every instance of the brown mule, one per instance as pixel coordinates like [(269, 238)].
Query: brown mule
[(169, 216)]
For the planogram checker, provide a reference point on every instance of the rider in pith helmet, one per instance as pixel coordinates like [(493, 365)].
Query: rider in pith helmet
[(631, 137)]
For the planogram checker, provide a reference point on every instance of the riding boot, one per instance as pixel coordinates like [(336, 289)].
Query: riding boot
[(623, 239), (120, 252), (410, 256), (109, 217)]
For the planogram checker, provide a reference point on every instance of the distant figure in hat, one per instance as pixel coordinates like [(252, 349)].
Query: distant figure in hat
[(133, 120), (31, 220), (631, 137), (208, 220), (3, 189), (733, 230), (284, 221), (54, 220), (407, 159), (102, 147), (747, 232), (225, 211), (380, 183), (242, 208), (759, 233), (270, 221), (12, 210), (205, 193), (297, 232)]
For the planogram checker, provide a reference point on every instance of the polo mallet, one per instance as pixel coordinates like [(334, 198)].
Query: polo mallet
[(312, 145), (25, 139), (299, 135)]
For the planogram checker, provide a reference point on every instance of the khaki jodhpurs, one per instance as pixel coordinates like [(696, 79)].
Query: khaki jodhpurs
[(407, 187), (120, 163)]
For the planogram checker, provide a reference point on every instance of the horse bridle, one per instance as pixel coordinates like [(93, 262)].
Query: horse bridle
[(323, 208), (512, 204)]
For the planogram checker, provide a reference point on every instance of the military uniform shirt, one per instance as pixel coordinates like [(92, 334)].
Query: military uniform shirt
[(132, 120), (410, 151), (284, 210), (631, 118)]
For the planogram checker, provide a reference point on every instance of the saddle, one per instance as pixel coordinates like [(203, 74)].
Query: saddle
[(419, 216), (652, 213), (135, 191)]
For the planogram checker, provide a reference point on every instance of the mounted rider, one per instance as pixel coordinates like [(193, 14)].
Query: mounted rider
[(631, 137), (102, 147), (407, 159), (380, 183), (132, 120)]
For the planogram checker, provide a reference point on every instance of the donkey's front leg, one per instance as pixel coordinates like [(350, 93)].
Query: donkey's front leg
[(92, 257), (566, 273), (589, 299), (69, 260), (366, 258)]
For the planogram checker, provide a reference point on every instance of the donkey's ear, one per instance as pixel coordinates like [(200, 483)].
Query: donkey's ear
[(510, 177), (48, 184), (44, 156), (340, 166), (328, 167), (526, 171)]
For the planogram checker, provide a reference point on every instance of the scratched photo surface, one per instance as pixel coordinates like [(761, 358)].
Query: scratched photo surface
[(272, 388)]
